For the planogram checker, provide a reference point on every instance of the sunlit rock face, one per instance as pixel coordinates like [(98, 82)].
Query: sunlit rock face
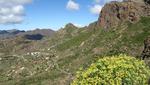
[(116, 13)]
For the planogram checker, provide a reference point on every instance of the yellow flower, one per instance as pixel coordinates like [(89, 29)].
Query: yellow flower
[(112, 71)]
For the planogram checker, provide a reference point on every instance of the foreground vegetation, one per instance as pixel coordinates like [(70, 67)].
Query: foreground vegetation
[(114, 70)]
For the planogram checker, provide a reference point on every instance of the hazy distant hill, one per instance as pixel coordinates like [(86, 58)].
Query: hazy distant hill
[(9, 33), (13, 33)]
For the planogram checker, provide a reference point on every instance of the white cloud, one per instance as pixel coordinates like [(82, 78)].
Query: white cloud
[(71, 5), (10, 19), (78, 25), (14, 2), (12, 11), (97, 1), (96, 9)]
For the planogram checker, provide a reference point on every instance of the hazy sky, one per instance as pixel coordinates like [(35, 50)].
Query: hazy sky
[(31, 14)]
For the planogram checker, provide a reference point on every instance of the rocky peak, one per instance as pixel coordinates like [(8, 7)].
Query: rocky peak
[(70, 25), (116, 13), (69, 30)]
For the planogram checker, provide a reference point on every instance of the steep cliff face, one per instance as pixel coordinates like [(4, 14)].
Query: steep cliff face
[(146, 52), (116, 13)]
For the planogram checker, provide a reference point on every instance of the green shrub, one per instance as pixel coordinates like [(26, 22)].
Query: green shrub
[(115, 70)]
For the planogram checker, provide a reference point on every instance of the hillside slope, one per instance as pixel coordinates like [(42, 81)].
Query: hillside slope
[(57, 64)]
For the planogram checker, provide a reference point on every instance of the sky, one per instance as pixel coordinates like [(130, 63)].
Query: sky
[(53, 14)]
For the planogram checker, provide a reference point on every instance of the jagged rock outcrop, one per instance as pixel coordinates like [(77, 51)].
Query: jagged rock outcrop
[(116, 13), (146, 52), (70, 25), (147, 1), (69, 30)]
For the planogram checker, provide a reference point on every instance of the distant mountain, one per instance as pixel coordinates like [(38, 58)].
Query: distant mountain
[(9, 33), (44, 32), (3, 32), (13, 33)]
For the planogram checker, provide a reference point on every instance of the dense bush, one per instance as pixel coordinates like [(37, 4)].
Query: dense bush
[(115, 70)]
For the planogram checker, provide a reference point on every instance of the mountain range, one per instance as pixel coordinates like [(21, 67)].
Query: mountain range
[(33, 33)]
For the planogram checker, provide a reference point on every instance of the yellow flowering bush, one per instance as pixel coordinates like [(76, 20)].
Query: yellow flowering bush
[(114, 70)]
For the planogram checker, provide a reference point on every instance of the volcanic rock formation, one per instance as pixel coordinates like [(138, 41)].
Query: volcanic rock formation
[(116, 13)]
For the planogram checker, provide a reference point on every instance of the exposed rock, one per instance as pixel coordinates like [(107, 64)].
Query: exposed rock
[(69, 30), (82, 44), (92, 25), (146, 52), (116, 13), (147, 1)]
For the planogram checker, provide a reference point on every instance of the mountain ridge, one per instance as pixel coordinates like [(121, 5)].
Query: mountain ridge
[(14, 33)]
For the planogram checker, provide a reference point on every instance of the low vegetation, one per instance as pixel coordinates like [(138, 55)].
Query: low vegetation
[(114, 70)]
